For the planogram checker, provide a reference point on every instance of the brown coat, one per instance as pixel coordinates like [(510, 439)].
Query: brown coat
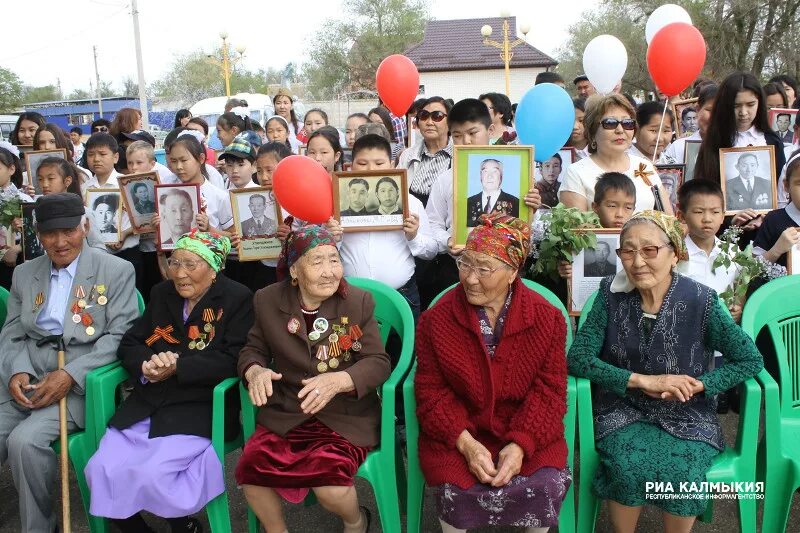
[(356, 415)]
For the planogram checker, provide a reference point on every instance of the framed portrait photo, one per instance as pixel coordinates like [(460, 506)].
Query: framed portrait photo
[(783, 122), (177, 206), (489, 179), (672, 179), (685, 113), (690, 154), (590, 266), (550, 173), (413, 133), (32, 161), (748, 178), (256, 217), (139, 197), (370, 201), (31, 247), (302, 150), (105, 208)]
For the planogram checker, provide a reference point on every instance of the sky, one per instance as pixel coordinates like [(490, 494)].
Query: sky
[(58, 36)]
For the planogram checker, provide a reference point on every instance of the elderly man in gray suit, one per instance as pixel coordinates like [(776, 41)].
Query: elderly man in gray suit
[(82, 294)]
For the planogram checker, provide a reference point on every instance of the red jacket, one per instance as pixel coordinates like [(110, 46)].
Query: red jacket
[(517, 396)]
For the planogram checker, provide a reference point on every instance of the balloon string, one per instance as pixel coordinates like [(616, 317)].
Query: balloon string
[(660, 127)]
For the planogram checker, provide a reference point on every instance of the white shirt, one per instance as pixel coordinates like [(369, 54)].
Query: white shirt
[(163, 171), (218, 206), (663, 159), (677, 149), (700, 268), (77, 152), (582, 176), (112, 183), (751, 137), (439, 209), (387, 256), (492, 198), (582, 153), (213, 176)]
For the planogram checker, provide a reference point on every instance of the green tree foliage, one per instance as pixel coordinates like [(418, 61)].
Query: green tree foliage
[(79, 94), (347, 52), (759, 36), (46, 93), (10, 91)]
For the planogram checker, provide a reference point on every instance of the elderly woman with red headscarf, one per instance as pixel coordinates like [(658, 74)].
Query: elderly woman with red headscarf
[(312, 364), (491, 390)]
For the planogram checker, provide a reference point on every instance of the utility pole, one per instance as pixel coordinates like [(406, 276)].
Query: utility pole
[(97, 77), (139, 65)]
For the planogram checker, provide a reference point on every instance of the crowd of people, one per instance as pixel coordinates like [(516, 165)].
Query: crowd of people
[(490, 386)]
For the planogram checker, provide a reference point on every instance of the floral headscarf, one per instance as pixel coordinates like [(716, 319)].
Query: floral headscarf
[(503, 237), (213, 248), (670, 226), (299, 242)]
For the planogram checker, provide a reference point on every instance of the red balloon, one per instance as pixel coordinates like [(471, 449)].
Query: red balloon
[(675, 57), (397, 80), (303, 188)]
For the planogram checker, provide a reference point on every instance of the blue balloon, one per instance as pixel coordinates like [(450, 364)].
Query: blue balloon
[(544, 118)]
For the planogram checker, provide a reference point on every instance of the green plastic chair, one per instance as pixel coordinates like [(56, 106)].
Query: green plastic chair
[(416, 481), (383, 465), (737, 463), (3, 305), (774, 307)]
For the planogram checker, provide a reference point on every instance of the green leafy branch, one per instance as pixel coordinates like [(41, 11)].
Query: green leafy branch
[(558, 239)]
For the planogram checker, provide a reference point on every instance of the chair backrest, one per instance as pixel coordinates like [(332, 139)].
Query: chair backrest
[(3, 305), (140, 301), (586, 308), (543, 291), (776, 307)]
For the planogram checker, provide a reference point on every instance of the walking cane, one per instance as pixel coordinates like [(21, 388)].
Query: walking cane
[(62, 433)]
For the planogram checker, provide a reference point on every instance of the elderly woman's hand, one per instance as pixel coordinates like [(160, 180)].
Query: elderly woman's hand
[(479, 459), (321, 389), (509, 463), (259, 384), (667, 386), (160, 366)]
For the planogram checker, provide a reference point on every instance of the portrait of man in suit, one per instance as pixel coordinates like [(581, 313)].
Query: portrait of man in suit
[(357, 193), (388, 194), (783, 127), (259, 224), (689, 120), (599, 264), (492, 198), (747, 190)]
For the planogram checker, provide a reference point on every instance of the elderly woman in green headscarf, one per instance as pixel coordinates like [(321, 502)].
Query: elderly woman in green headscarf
[(156, 456), (648, 347)]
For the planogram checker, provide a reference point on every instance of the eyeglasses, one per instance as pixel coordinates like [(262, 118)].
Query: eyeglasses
[(647, 252), (612, 123), (466, 268), (100, 129), (189, 266), (436, 116)]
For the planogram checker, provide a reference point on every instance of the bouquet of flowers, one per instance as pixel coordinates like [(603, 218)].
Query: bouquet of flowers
[(749, 267), (554, 238)]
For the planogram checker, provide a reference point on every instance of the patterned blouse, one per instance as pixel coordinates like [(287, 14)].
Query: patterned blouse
[(491, 337)]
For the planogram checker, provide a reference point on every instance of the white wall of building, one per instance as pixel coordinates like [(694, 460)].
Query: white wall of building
[(472, 83)]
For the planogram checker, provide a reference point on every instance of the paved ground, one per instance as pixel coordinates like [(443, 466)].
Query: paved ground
[(316, 520)]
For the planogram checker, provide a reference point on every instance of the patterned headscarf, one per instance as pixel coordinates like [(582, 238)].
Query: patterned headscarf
[(212, 247), (503, 237), (298, 242), (670, 226)]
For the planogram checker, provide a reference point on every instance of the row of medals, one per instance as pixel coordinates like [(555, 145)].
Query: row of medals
[(198, 341), (201, 344), (79, 313), (340, 342)]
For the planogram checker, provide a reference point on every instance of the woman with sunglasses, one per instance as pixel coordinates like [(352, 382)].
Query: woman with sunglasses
[(609, 125), (654, 403), (427, 159)]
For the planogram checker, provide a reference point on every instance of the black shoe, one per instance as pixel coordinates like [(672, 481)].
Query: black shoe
[(723, 406), (185, 525)]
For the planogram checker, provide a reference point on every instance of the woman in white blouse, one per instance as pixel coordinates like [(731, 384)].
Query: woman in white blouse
[(609, 127)]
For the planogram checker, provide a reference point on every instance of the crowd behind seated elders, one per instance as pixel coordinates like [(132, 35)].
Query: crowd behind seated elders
[(492, 366)]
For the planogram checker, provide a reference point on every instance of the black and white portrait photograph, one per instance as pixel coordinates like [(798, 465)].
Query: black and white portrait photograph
[(256, 219), (685, 112), (747, 178), (672, 179), (31, 247), (177, 207), (32, 161), (690, 159), (139, 196), (783, 122), (370, 201), (591, 265), (105, 208)]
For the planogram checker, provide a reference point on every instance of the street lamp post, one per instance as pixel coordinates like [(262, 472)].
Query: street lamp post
[(505, 46), (227, 62)]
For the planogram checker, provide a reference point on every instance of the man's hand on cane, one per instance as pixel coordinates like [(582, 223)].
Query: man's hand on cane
[(51, 389)]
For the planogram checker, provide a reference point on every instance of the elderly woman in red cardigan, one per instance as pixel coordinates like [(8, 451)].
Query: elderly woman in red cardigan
[(491, 391)]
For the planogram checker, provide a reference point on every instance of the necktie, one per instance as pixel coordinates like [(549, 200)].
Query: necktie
[(258, 228), (488, 204), (749, 186)]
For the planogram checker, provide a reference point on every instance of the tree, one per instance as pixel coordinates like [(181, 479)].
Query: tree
[(129, 87), (759, 36), (347, 53), (79, 94), (10, 91), (46, 93)]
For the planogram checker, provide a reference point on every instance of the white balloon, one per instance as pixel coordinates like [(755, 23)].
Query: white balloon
[(604, 62), (663, 15)]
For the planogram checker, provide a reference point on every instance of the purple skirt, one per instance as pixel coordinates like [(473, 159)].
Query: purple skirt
[(170, 476), (532, 501)]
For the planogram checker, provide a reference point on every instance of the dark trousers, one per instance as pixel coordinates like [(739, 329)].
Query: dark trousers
[(151, 274), (434, 276), (134, 257)]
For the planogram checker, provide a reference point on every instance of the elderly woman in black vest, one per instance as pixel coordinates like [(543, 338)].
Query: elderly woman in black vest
[(648, 347)]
